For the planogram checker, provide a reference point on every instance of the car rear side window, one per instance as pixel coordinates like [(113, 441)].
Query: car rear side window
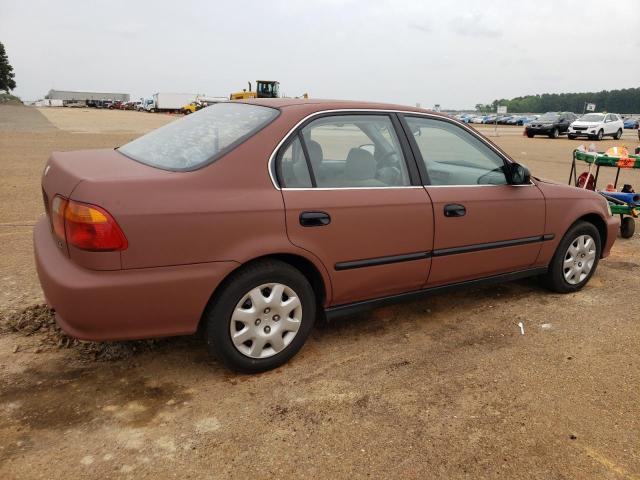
[(198, 139), (349, 151), (453, 156)]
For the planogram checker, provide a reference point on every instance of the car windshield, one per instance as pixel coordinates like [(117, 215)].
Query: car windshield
[(200, 138), (549, 117), (592, 117)]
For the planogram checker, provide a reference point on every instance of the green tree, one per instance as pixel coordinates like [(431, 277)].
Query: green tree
[(7, 82), (618, 101)]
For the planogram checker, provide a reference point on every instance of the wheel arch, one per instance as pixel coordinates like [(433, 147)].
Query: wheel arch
[(598, 222), (320, 285)]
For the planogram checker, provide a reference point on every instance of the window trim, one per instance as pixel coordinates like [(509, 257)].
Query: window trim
[(296, 131), (399, 114)]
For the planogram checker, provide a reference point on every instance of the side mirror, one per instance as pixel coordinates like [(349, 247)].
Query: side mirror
[(519, 174)]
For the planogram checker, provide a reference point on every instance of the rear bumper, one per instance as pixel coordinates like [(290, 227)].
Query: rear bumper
[(123, 304), (613, 225)]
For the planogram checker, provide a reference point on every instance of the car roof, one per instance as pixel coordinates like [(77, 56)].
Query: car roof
[(330, 104)]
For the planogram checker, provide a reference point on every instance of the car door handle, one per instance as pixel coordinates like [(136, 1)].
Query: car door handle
[(314, 219), (454, 210)]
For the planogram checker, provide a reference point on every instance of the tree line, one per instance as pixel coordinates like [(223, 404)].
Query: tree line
[(626, 100)]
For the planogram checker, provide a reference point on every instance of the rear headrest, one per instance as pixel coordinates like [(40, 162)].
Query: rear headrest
[(360, 165), (315, 152)]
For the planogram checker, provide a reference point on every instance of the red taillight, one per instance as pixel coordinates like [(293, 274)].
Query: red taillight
[(86, 226)]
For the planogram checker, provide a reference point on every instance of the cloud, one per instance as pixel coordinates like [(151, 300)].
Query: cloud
[(423, 27), (471, 25)]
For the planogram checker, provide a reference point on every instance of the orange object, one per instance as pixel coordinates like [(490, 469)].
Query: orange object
[(610, 187), (621, 152), (626, 163)]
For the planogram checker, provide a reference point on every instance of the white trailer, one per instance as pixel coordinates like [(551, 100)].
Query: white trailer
[(170, 102)]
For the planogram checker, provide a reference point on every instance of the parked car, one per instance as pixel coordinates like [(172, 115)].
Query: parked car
[(248, 219), (551, 124), (631, 123), (527, 119), (117, 105), (597, 125), (489, 119)]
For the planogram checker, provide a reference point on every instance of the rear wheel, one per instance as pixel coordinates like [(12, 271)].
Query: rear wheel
[(627, 227), (618, 134), (555, 133), (261, 317), (575, 260)]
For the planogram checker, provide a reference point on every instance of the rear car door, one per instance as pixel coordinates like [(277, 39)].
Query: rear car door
[(483, 225), (353, 199)]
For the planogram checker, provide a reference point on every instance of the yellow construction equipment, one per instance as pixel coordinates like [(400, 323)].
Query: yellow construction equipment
[(264, 89)]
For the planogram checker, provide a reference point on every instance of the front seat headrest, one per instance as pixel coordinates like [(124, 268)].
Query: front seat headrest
[(315, 153), (360, 165)]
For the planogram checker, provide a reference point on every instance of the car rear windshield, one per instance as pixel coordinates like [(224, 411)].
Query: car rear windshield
[(200, 138), (592, 117)]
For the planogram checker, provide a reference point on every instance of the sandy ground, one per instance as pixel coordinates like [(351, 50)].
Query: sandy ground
[(442, 388)]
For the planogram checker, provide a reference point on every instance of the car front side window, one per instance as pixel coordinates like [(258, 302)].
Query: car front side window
[(453, 156)]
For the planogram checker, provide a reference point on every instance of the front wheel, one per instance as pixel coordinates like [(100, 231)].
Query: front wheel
[(571, 137), (530, 135), (261, 317), (600, 135), (575, 260), (555, 133)]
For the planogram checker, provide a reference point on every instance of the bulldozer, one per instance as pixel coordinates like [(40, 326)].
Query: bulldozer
[(264, 89)]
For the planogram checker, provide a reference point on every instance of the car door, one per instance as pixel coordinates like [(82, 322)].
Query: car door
[(606, 125), (352, 198), (483, 225), (563, 123)]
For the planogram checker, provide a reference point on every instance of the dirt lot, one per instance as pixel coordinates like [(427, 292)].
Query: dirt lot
[(442, 388)]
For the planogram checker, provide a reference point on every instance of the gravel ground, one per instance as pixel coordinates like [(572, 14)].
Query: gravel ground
[(447, 387)]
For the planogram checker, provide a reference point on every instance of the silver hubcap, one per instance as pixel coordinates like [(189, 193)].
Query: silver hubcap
[(579, 259), (266, 320)]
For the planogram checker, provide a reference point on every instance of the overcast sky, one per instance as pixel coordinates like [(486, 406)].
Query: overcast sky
[(455, 53)]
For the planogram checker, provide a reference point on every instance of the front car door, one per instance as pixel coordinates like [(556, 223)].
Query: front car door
[(483, 225), (353, 199)]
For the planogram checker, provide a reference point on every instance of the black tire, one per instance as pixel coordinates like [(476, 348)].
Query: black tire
[(218, 314), (599, 135), (571, 137), (530, 135), (627, 227), (555, 133), (554, 279), (618, 134)]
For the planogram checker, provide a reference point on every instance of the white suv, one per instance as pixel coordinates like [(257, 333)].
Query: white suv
[(597, 125)]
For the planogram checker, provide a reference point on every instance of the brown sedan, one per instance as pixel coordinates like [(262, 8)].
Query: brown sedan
[(252, 218)]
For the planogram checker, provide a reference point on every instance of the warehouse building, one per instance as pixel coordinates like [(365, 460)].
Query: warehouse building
[(69, 96)]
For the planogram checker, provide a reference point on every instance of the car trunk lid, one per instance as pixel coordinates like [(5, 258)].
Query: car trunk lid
[(66, 170)]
